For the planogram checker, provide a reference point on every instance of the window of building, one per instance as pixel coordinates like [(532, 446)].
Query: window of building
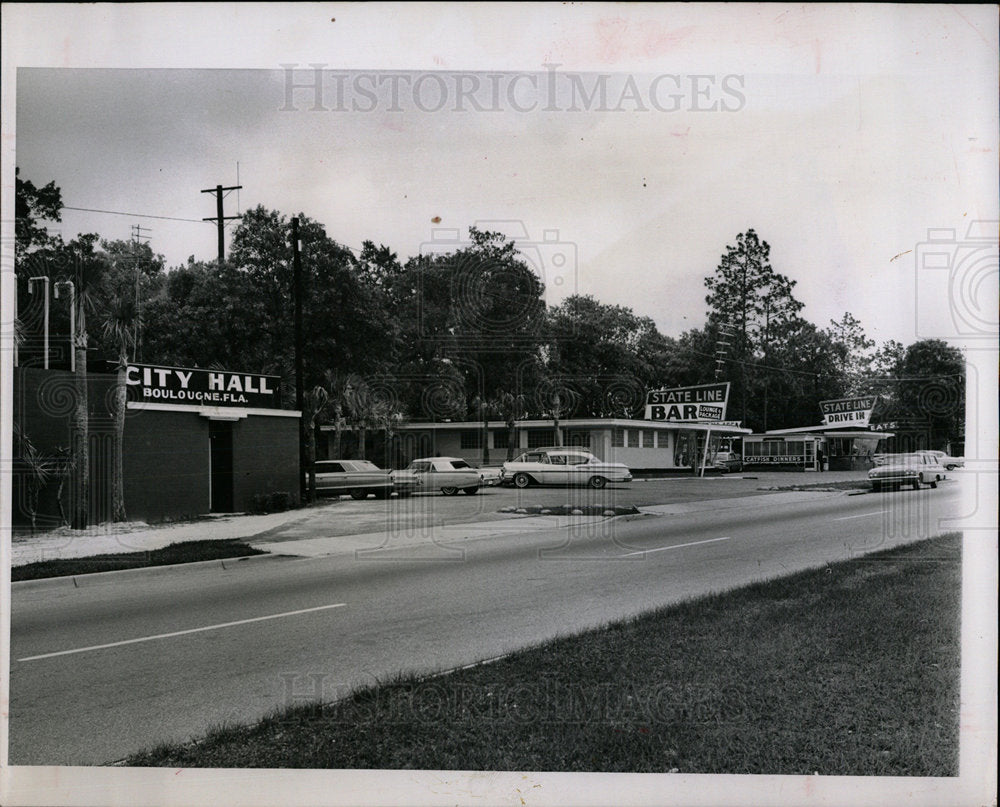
[(577, 439), (647, 438), (500, 438), (471, 438), (618, 438), (541, 437)]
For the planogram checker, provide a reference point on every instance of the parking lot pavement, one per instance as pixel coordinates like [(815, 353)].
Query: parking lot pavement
[(345, 516)]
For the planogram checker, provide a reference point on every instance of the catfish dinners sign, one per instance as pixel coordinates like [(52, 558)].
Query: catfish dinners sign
[(180, 385)]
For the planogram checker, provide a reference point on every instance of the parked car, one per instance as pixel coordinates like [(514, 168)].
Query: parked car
[(447, 474), (943, 458), (907, 469), (359, 478), (490, 476), (563, 466), (728, 461)]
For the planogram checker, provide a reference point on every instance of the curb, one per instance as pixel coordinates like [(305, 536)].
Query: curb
[(84, 580)]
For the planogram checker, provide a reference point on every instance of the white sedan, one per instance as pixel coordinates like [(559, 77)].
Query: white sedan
[(907, 469), (950, 463), (563, 466), (447, 474)]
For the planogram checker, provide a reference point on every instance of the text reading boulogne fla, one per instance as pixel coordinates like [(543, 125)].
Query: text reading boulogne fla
[(181, 385)]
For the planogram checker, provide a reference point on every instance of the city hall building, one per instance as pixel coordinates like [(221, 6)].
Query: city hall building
[(195, 441)]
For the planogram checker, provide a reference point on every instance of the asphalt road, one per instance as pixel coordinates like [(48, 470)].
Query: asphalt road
[(130, 659)]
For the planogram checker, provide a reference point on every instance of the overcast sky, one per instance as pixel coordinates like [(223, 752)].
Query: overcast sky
[(840, 134)]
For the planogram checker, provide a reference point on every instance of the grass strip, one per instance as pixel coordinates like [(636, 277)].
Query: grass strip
[(851, 669), (851, 484), (572, 510), (187, 552)]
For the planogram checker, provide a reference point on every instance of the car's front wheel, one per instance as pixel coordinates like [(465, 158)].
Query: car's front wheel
[(359, 494), (916, 483), (449, 491), (522, 480), (876, 487), (950, 467), (933, 483), (471, 491), (597, 482)]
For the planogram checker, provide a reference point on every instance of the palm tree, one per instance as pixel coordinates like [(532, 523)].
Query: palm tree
[(512, 408), (121, 325), (315, 401), (87, 270), (36, 471), (484, 407), (338, 406)]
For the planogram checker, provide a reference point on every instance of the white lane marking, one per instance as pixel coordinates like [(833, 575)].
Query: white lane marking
[(676, 546), (182, 632), (862, 515)]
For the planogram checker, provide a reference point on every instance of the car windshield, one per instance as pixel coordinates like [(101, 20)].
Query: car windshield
[(460, 464), (329, 468), (419, 465)]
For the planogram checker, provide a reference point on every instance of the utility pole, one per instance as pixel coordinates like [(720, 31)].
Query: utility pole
[(297, 293), (219, 219), (138, 235)]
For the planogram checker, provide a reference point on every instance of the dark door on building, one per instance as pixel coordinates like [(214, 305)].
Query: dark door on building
[(220, 433)]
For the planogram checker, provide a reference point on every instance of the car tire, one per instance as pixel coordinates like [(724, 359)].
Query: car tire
[(402, 494), (597, 482), (916, 483), (471, 491), (449, 491), (522, 480), (359, 494), (949, 467), (934, 483), (876, 487), (383, 493)]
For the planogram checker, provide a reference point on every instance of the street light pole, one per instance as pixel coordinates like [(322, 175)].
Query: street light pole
[(45, 326), (72, 319)]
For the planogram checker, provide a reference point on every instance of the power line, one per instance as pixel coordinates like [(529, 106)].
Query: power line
[(762, 366), (122, 213)]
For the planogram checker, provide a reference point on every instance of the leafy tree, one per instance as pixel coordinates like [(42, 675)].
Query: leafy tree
[(478, 311), (931, 391), (32, 206), (606, 354)]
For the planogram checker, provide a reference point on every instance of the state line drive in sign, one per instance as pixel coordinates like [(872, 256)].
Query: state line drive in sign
[(848, 411), (702, 404)]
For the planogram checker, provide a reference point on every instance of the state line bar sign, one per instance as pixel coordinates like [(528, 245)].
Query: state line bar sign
[(190, 385), (702, 404), (848, 411)]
